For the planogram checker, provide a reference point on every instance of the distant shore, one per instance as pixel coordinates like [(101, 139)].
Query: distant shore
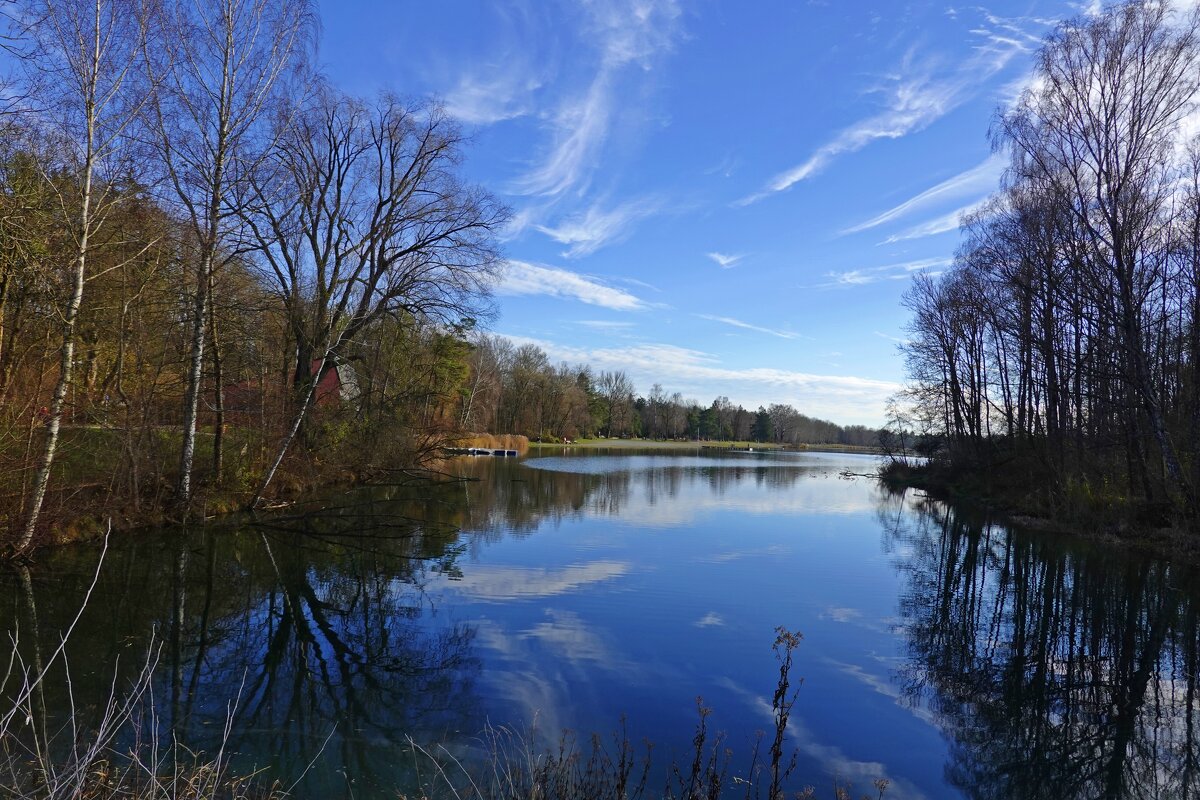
[(692, 444)]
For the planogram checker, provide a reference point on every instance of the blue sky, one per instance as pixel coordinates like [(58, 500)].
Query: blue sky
[(724, 198)]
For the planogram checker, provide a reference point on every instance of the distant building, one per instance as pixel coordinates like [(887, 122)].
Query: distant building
[(338, 385)]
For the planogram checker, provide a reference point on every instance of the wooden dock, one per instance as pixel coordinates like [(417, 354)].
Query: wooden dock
[(481, 451)]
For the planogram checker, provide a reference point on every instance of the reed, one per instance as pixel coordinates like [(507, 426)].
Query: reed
[(493, 441)]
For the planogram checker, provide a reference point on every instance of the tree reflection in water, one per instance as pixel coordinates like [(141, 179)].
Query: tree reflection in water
[(315, 626), (1058, 669), (325, 640)]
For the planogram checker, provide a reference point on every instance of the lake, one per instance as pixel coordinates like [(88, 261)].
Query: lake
[(585, 591)]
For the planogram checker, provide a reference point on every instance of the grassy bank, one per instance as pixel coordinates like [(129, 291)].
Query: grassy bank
[(105, 475)]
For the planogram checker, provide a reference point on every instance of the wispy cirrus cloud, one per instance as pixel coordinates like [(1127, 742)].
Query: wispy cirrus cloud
[(981, 178), (889, 272), (629, 33), (915, 100), (501, 95), (522, 278), (737, 323), (725, 260), (922, 91), (591, 229), (940, 224), (890, 338)]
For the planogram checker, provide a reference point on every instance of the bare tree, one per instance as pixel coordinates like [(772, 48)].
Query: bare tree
[(617, 390), (480, 395), (85, 66), (224, 64), (1101, 127), (361, 214)]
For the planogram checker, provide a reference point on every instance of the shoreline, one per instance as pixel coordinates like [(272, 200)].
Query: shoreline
[(692, 445), (1171, 542), (225, 505)]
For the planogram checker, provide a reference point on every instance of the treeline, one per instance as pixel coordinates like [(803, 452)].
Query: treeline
[(1063, 344), (516, 389), (216, 267)]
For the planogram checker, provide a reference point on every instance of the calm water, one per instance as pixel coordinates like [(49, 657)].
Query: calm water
[(953, 657)]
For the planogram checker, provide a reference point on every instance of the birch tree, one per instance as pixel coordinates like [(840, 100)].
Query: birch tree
[(225, 65), (85, 67)]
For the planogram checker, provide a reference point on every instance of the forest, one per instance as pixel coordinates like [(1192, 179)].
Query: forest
[(196, 229), (223, 279), (518, 389), (1056, 360)]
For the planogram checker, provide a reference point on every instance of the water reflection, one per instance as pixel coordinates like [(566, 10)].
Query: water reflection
[(1051, 668), (326, 650), (647, 487), (1059, 670)]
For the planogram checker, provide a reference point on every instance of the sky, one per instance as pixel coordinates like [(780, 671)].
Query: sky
[(722, 198)]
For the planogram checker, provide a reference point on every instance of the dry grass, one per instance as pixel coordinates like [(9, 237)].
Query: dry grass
[(493, 441)]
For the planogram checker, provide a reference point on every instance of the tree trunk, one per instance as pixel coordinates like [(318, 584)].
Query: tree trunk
[(58, 400), (218, 454), (290, 436), (191, 400)]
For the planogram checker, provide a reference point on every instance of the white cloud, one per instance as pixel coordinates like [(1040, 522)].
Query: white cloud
[(983, 177), (628, 33), (918, 95), (890, 338), (915, 101), (737, 323), (888, 272), (521, 278), (636, 282), (589, 231), (709, 620), (724, 260), (581, 126), (943, 224), (502, 95)]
